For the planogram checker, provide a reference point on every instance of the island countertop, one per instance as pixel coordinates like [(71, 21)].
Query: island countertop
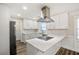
[(43, 45)]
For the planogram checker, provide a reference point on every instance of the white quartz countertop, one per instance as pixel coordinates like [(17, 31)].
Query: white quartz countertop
[(43, 45)]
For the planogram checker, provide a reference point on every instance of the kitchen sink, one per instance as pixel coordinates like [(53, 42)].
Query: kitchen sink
[(45, 38)]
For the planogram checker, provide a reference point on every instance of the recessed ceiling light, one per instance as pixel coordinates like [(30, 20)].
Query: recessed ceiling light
[(18, 15), (24, 8), (34, 18)]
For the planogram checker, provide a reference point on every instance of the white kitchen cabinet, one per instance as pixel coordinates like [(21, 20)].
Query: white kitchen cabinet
[(61, 22), (76, 45), (37, 46), (50, 25), (56, 22), (31, 50), (30, 24), (68, 42)]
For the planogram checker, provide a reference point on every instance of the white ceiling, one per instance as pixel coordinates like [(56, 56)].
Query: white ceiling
[(34, 9)]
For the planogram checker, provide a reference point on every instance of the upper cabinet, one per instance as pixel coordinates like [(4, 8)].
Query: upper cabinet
[(61, 22), (30, 24)]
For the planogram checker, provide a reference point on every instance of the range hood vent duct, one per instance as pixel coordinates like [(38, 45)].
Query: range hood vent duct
[(45, 15)]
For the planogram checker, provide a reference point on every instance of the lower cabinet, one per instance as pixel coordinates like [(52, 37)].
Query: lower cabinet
[(71, 43), (31, 50), (76, 45), (68, 42)]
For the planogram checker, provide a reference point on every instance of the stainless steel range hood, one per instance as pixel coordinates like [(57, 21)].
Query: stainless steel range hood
[(45, 15)]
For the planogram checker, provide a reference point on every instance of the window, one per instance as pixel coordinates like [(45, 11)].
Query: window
[(43, 26)]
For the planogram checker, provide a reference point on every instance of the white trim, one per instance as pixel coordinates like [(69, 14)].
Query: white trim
[(75, 27)]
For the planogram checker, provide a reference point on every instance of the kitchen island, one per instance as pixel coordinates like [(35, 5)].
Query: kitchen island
[(37, 46)]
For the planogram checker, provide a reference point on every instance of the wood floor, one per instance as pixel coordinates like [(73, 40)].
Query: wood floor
[(21, 50)]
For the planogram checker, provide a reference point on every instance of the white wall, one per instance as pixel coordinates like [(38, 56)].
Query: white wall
[(4, 30)]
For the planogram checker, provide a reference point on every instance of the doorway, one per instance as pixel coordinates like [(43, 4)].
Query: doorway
[(17, 45)]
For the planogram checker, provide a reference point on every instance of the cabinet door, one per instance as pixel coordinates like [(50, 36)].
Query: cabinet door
[(50, 25), (34, 25), (30, 24), (26, 24), (68, 42), (76, 45), (63, 21), (56, 21)]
